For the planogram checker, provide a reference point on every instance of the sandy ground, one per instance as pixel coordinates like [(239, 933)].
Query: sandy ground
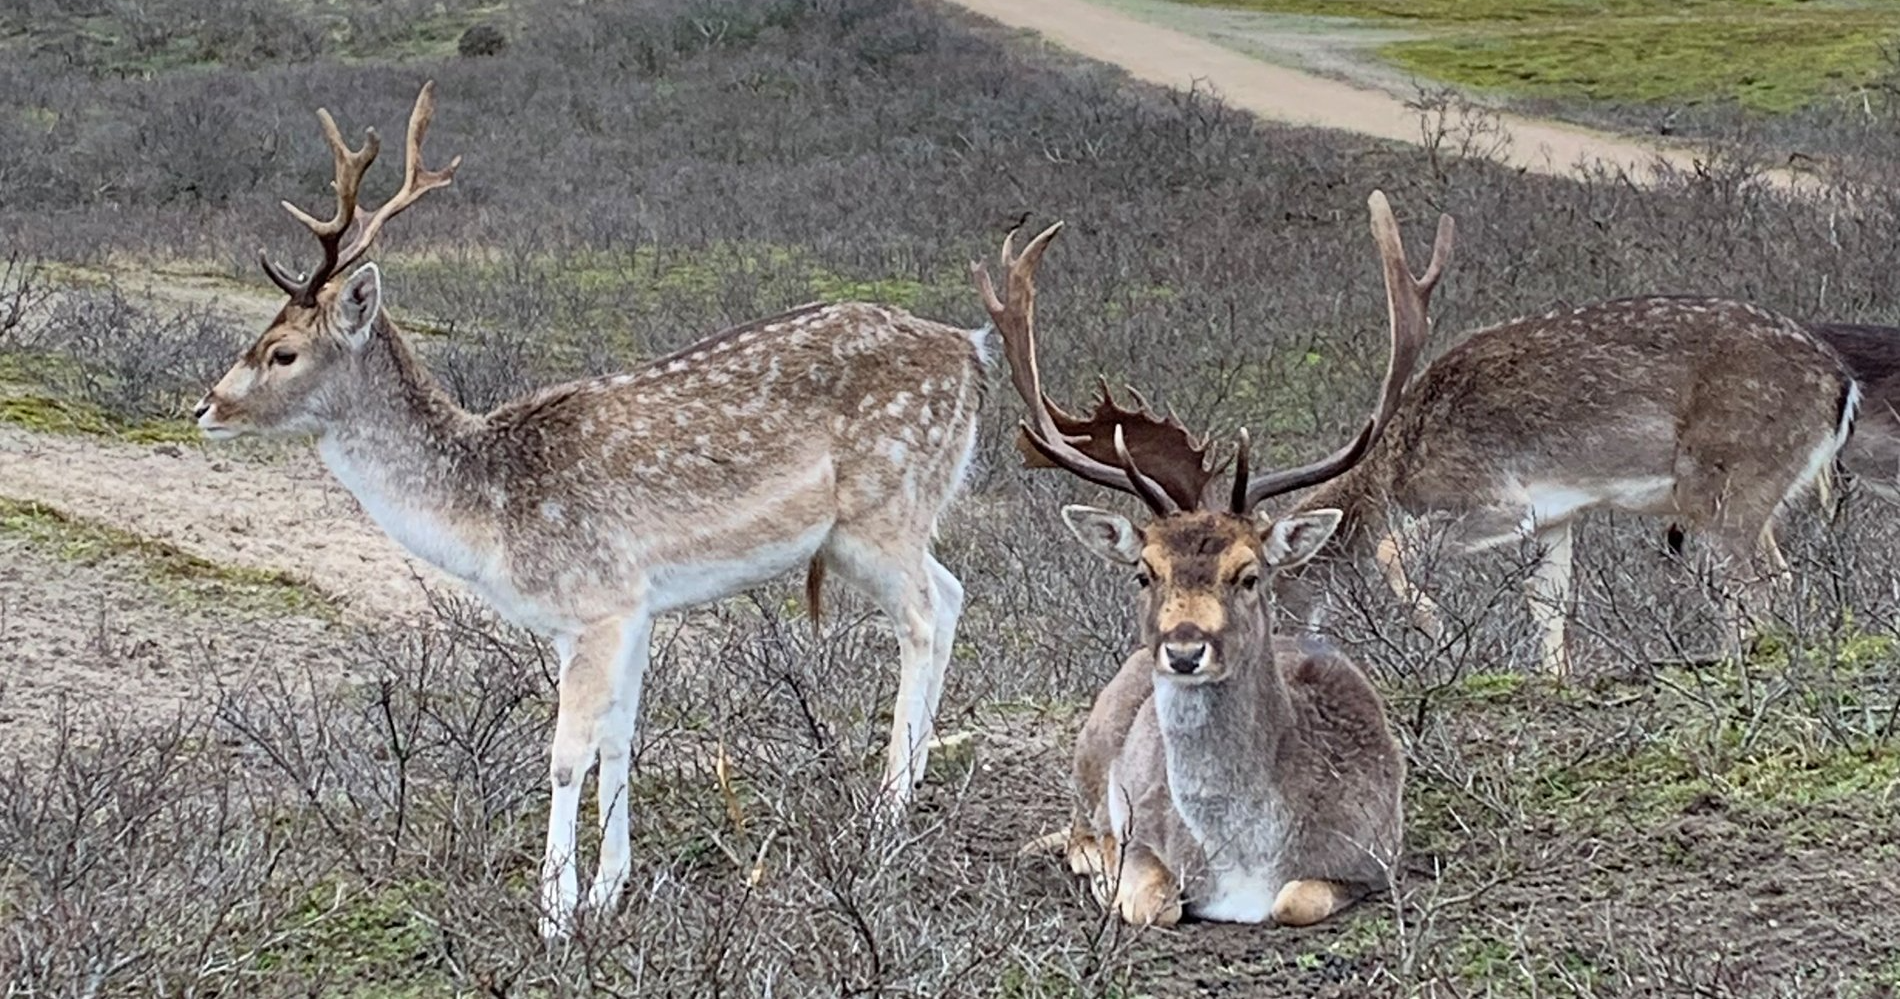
[(1136, 36), (97, 642), (284, 512)]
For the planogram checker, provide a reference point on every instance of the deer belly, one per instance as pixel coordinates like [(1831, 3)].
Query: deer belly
[(686, 583)]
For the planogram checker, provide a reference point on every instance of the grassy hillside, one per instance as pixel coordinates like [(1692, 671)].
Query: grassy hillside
[(1763, 55)]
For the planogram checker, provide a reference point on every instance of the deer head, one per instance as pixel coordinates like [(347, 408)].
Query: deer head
[(282, 383), (1202, 561)]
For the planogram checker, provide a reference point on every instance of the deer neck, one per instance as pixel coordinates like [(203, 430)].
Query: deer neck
[(405, 450), (1223, 742)]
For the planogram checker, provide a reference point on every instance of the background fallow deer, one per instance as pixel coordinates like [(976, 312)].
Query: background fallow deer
[(831, 432), (1872, 452), (1226, 772), (1712, 412)]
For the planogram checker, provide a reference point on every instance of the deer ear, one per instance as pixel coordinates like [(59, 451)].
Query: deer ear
[(1289, 542), (358, 303), (1110, 536)]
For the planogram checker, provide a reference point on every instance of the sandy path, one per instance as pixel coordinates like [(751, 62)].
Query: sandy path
[(1157, 54), (283, 514)]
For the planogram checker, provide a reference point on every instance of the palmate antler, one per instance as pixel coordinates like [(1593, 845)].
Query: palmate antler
[(1173, 472), (1408, 305), (351, 165), (1158, 459)]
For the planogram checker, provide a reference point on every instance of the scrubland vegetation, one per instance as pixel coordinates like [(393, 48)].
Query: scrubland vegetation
[(363, 818)]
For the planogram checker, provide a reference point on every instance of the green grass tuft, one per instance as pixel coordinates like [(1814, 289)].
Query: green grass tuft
[(46, 414), (1765, 55), (185, 580)]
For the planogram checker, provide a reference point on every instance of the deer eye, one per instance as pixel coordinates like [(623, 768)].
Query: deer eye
[(1250, 582), (1142, 579), (283, 356)]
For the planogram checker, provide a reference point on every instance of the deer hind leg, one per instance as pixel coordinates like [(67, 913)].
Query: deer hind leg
[(1304, 903), (1549, 593), (897, 578), (599, 695), (943, 639)]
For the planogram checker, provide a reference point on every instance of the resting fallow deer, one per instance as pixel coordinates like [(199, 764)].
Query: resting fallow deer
[(1226, 772), (834, 433)]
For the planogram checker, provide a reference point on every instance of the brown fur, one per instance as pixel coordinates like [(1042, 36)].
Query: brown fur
[(1721, 406), (1275, 758), (1872, 353)]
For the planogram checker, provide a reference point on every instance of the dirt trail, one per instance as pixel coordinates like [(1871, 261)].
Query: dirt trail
[(284, 513), (1160, 55)]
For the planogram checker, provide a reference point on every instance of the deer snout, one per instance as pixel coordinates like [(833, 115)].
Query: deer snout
[(203, 407), (1185, 657)]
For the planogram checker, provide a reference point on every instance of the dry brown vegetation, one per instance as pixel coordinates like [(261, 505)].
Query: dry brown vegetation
[(355, 809)]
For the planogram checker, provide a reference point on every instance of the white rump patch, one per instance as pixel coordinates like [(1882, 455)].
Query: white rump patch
[(980, 339)]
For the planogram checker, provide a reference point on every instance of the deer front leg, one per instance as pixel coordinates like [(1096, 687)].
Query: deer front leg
[(1754, 570), (1548, 592), (592, 672), (1140, 889)]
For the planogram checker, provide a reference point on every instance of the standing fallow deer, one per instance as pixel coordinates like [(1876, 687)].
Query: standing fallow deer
[(1226, 772), (833, 435), (1712, 412)]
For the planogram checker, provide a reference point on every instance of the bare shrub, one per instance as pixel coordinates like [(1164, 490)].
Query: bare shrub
[(130, 361), (23, 290)]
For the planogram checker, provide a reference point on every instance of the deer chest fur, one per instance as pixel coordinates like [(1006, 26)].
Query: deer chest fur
[(1226, 799)]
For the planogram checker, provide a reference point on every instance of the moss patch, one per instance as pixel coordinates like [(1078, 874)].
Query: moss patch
[(363, 942), (185, 580), (1766, 55), (45, 414)]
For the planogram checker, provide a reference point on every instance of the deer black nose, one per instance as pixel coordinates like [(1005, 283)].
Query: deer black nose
[(1185, 657), (204, 406)]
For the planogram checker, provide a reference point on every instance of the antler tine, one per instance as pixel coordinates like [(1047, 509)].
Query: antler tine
[(350, 166), (1171, 464), (1238, 504), (417, 180), (1150, 493), (1408, 300)]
